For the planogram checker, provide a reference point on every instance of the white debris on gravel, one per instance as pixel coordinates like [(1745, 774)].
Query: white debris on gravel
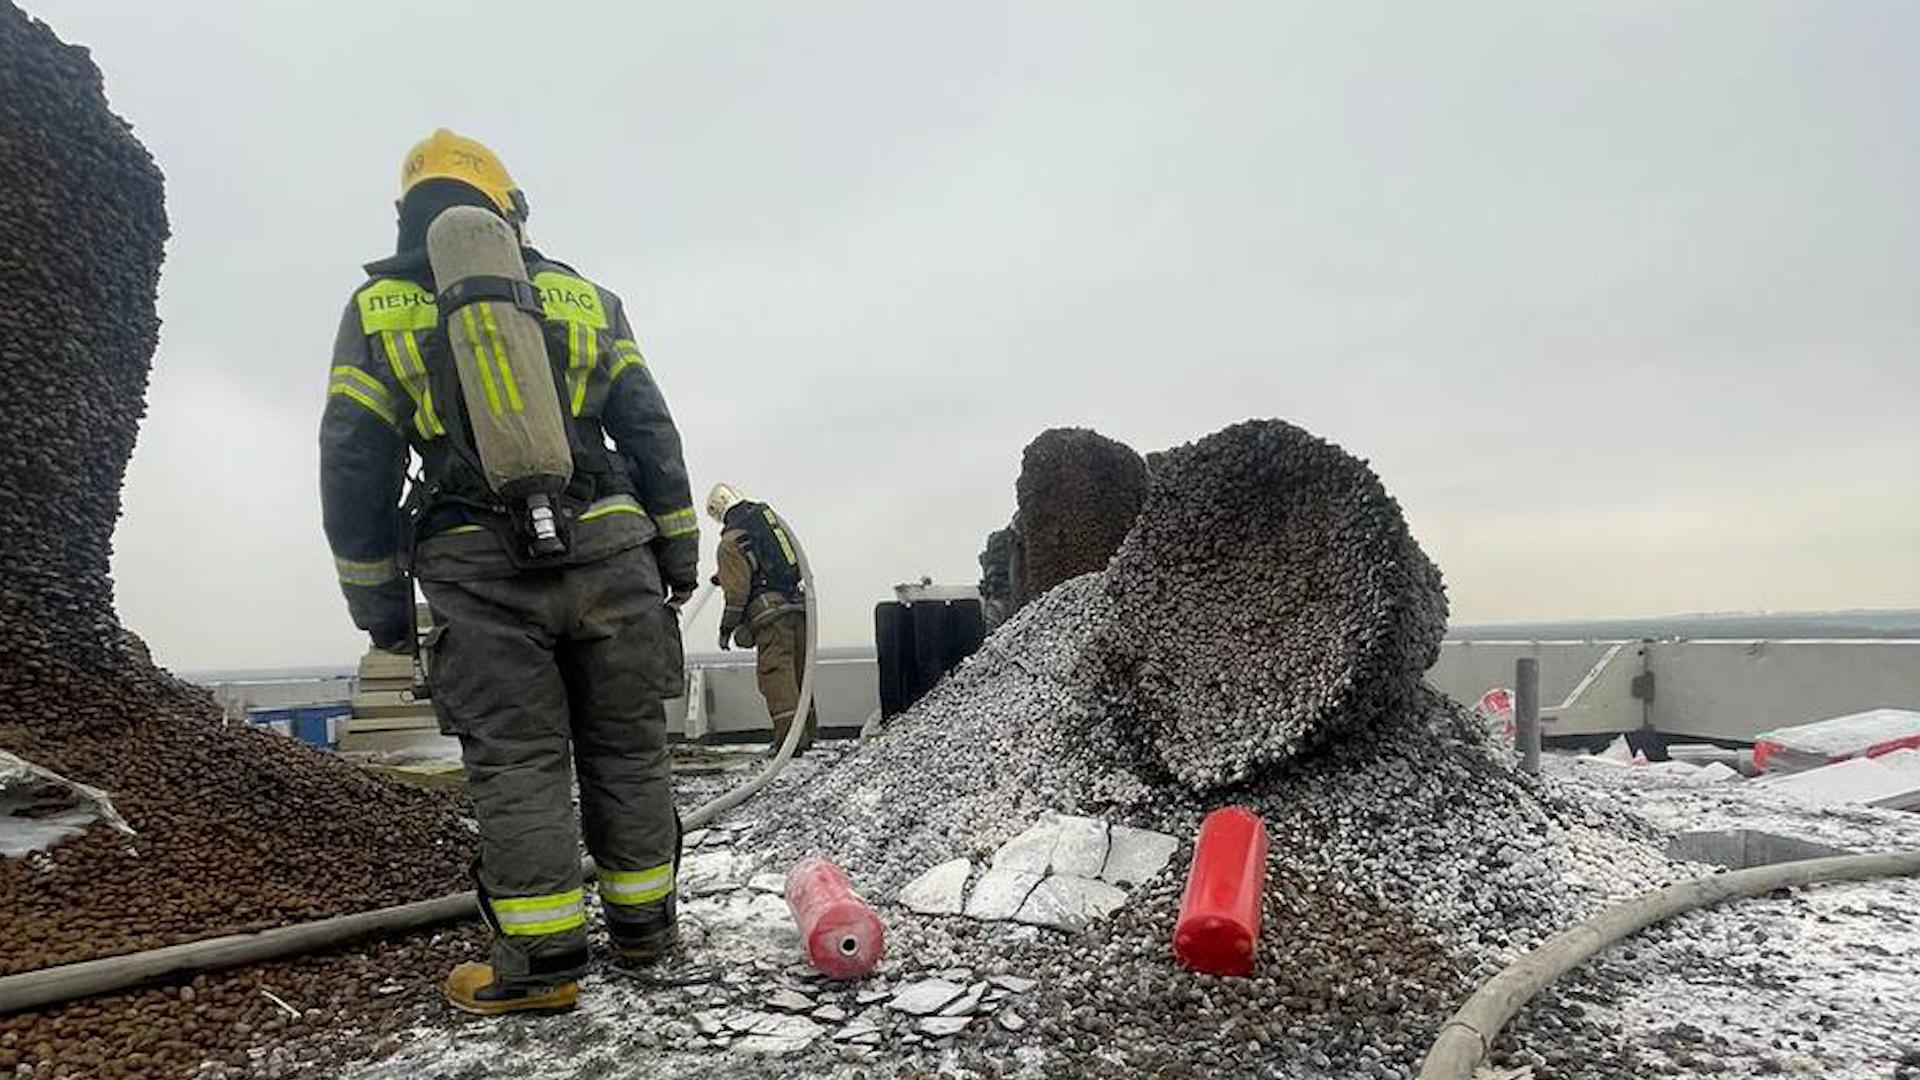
[(1811, 982), (1077, 861), (1136, 856), (926, 998), (939, 891), (1064, 902), (1676, 808), (1000, 893)]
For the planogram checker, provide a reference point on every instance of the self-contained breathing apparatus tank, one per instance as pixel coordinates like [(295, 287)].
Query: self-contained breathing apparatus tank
[(492, 318)]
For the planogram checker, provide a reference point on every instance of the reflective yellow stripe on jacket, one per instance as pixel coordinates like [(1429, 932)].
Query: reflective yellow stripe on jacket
[(531, 916), (357, 386), (626, 354), (576, 303), (395, 310), (403, 356), (366, 573), (679, 522), (613, 504), (636, 886)]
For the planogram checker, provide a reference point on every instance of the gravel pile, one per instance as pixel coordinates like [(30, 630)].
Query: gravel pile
[(1269, 596), (1409, 860), (1409, 857), (81, 229), (996, 576), (1078, 494), (235, 829)]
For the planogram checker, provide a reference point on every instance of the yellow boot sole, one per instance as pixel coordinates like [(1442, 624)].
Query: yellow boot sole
[(468, 979)]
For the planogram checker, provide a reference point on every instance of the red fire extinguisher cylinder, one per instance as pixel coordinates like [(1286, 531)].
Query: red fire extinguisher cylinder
[(1219, 928), (844, 938)]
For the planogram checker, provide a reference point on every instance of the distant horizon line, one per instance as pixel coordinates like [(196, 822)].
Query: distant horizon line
[(292, 672)]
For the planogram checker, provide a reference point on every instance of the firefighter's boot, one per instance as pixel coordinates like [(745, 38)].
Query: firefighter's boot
[(471, 988), (645, 945)]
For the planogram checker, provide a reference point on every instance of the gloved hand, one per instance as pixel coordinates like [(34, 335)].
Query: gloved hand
[(714, 580), (678, 598), (726, 639), (679, 559)]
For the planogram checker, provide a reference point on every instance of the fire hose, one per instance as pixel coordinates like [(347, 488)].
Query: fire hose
[(1465, 1038), (66, 982)]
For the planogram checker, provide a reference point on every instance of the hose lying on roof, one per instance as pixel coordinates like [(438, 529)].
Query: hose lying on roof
[(65, 982), (1466, 1038)]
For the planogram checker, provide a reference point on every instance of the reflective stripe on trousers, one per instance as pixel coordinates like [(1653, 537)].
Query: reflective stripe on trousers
[(528, 916), (627, 887)]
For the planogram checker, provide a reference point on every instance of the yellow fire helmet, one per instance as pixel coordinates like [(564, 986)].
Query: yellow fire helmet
[(444, 155)]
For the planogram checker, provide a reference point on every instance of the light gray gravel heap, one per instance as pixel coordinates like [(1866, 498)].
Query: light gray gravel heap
[(1408, 858), (1268, 596)]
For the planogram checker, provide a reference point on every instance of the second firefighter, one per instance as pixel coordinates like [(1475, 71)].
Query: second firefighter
[(766, 604)]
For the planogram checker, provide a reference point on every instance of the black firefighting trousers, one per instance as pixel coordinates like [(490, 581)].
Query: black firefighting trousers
[(546, 675)]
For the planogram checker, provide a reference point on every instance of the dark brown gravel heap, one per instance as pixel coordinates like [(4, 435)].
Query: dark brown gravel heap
[(223, 1024), (1269, 596), (235, 829), (81, 229), (1078, 493)]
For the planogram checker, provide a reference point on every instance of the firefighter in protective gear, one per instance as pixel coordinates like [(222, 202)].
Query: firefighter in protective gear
[(550, 667), (766, 605)]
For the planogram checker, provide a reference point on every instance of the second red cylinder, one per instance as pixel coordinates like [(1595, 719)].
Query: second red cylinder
[(1219, 928)]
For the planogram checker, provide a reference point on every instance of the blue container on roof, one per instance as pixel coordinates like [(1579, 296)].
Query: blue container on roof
[(315, 725)]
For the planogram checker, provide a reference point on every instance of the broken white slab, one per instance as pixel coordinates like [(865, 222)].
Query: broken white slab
[(1080, 847), (1135, 856), (1010, 1020), (745, 1021), (777, 1036), (939, 1027), (1015, 984), (829, 1014), (768, 883), (1069, 903), (1032, 851), (1000, 892), (968, 1003), (857, 1030), (926, 997), (939, 891), (792, 1001)]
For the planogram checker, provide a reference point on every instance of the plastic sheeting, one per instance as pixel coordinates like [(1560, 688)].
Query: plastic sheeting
[(40, 808)]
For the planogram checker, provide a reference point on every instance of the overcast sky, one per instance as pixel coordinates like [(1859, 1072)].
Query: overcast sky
[(1619, 298)]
